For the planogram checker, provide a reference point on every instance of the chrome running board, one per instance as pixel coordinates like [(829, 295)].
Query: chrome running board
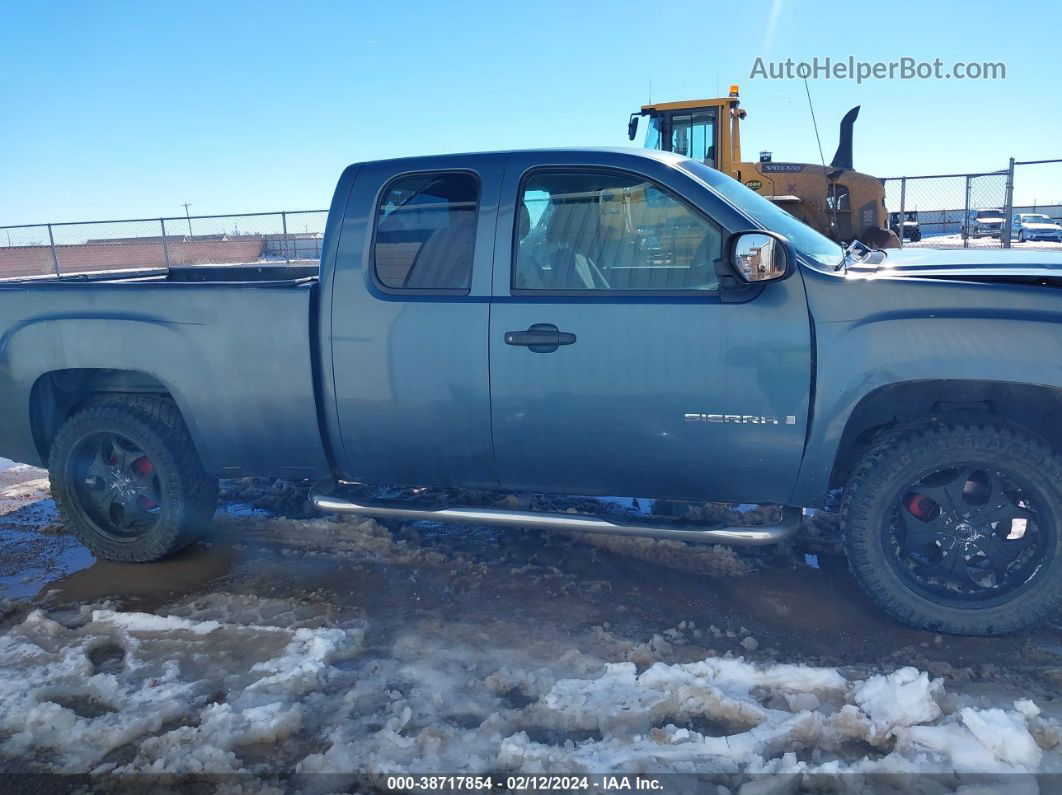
[(755, 535)]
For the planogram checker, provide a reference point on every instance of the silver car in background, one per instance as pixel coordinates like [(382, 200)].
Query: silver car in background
[(1035, 226)]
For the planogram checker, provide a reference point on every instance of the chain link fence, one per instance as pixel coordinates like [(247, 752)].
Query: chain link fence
[(978, 210), (936, 211), (68, 249)]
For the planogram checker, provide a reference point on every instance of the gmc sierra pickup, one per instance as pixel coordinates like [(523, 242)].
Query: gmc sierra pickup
[(573, 322)]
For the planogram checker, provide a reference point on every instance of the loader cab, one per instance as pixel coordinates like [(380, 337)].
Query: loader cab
[(692, 133), (703, 129)]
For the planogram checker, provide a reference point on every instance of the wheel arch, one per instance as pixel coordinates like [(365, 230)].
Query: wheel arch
[(1032, 407), (56, 395)]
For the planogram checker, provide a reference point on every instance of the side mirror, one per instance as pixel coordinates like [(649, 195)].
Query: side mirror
[(632, 126), (758, 256)]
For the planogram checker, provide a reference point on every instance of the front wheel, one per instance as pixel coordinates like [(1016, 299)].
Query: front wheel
[(1021, 236), (127, 481), (955, 527)]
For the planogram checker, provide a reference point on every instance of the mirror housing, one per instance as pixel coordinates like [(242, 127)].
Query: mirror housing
[(758, 256), (632, 126)]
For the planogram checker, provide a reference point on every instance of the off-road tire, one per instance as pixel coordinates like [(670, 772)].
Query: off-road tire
[(885, 469), (156, 426)]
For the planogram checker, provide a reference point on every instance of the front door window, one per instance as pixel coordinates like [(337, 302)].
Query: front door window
[(606, 231)]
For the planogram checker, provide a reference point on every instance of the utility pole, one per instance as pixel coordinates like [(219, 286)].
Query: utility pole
[(186, 205), (1008, 208)]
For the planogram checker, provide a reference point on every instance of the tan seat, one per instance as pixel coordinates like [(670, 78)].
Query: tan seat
[(445, 259), (574, 229)]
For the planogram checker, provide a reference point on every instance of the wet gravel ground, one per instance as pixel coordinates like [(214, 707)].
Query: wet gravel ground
[(795, 601), (669, 602)]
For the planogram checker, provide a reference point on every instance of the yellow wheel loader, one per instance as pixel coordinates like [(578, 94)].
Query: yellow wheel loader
[(840, 202)]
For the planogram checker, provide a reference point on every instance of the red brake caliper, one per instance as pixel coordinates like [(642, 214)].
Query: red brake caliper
[(920, 506), (144, 468)]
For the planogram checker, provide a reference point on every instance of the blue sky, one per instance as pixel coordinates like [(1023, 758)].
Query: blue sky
[(113, 110)]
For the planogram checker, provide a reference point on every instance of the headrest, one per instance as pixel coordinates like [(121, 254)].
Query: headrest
[(523, 221)]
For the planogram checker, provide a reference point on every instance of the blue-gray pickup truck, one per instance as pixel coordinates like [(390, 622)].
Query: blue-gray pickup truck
[(573, 322)]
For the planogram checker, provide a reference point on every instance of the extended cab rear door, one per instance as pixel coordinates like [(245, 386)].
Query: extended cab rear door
[(409, 322), (616, 367)]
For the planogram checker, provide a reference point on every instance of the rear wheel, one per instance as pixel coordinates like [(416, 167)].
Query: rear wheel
[(955, 528), (1021, 236), (127, 480)]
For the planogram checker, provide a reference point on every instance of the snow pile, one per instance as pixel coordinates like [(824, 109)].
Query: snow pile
[(727, 715), (138, 692), (20, 484), (903, 698), (230, 683)]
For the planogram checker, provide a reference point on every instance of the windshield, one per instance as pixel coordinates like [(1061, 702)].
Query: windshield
[(806, 240), (1036, 219), (989, 215)]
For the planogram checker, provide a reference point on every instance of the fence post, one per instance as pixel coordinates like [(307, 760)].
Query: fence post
[(1008, 209), (900, 217), (55, 256), (165, 247), (284, 224), (965, 217)]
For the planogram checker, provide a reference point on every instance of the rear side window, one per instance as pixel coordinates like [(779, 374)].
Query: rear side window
[(426, 232), (605, 231)]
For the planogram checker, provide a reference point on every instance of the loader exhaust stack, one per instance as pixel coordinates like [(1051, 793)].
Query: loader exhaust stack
[(842, 158)]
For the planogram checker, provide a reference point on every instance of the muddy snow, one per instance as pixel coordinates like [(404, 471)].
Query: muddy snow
[(282, 649)]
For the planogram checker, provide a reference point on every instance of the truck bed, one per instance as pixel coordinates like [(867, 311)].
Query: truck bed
[(231, 345)]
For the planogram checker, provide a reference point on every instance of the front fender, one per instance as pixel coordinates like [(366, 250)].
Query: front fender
[(871, 334)]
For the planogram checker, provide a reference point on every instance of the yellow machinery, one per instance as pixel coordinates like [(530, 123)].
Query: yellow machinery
[(835, 199)]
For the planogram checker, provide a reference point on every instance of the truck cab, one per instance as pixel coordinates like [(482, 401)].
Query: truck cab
[(442, 375)]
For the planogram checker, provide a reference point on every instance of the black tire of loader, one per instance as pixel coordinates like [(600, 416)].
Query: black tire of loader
[(888, 465), (156, 426)]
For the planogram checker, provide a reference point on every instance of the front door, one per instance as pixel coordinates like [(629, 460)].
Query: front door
[(616, 369)]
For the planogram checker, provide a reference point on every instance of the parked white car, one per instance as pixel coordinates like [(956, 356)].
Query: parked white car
[(1035, 226)]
